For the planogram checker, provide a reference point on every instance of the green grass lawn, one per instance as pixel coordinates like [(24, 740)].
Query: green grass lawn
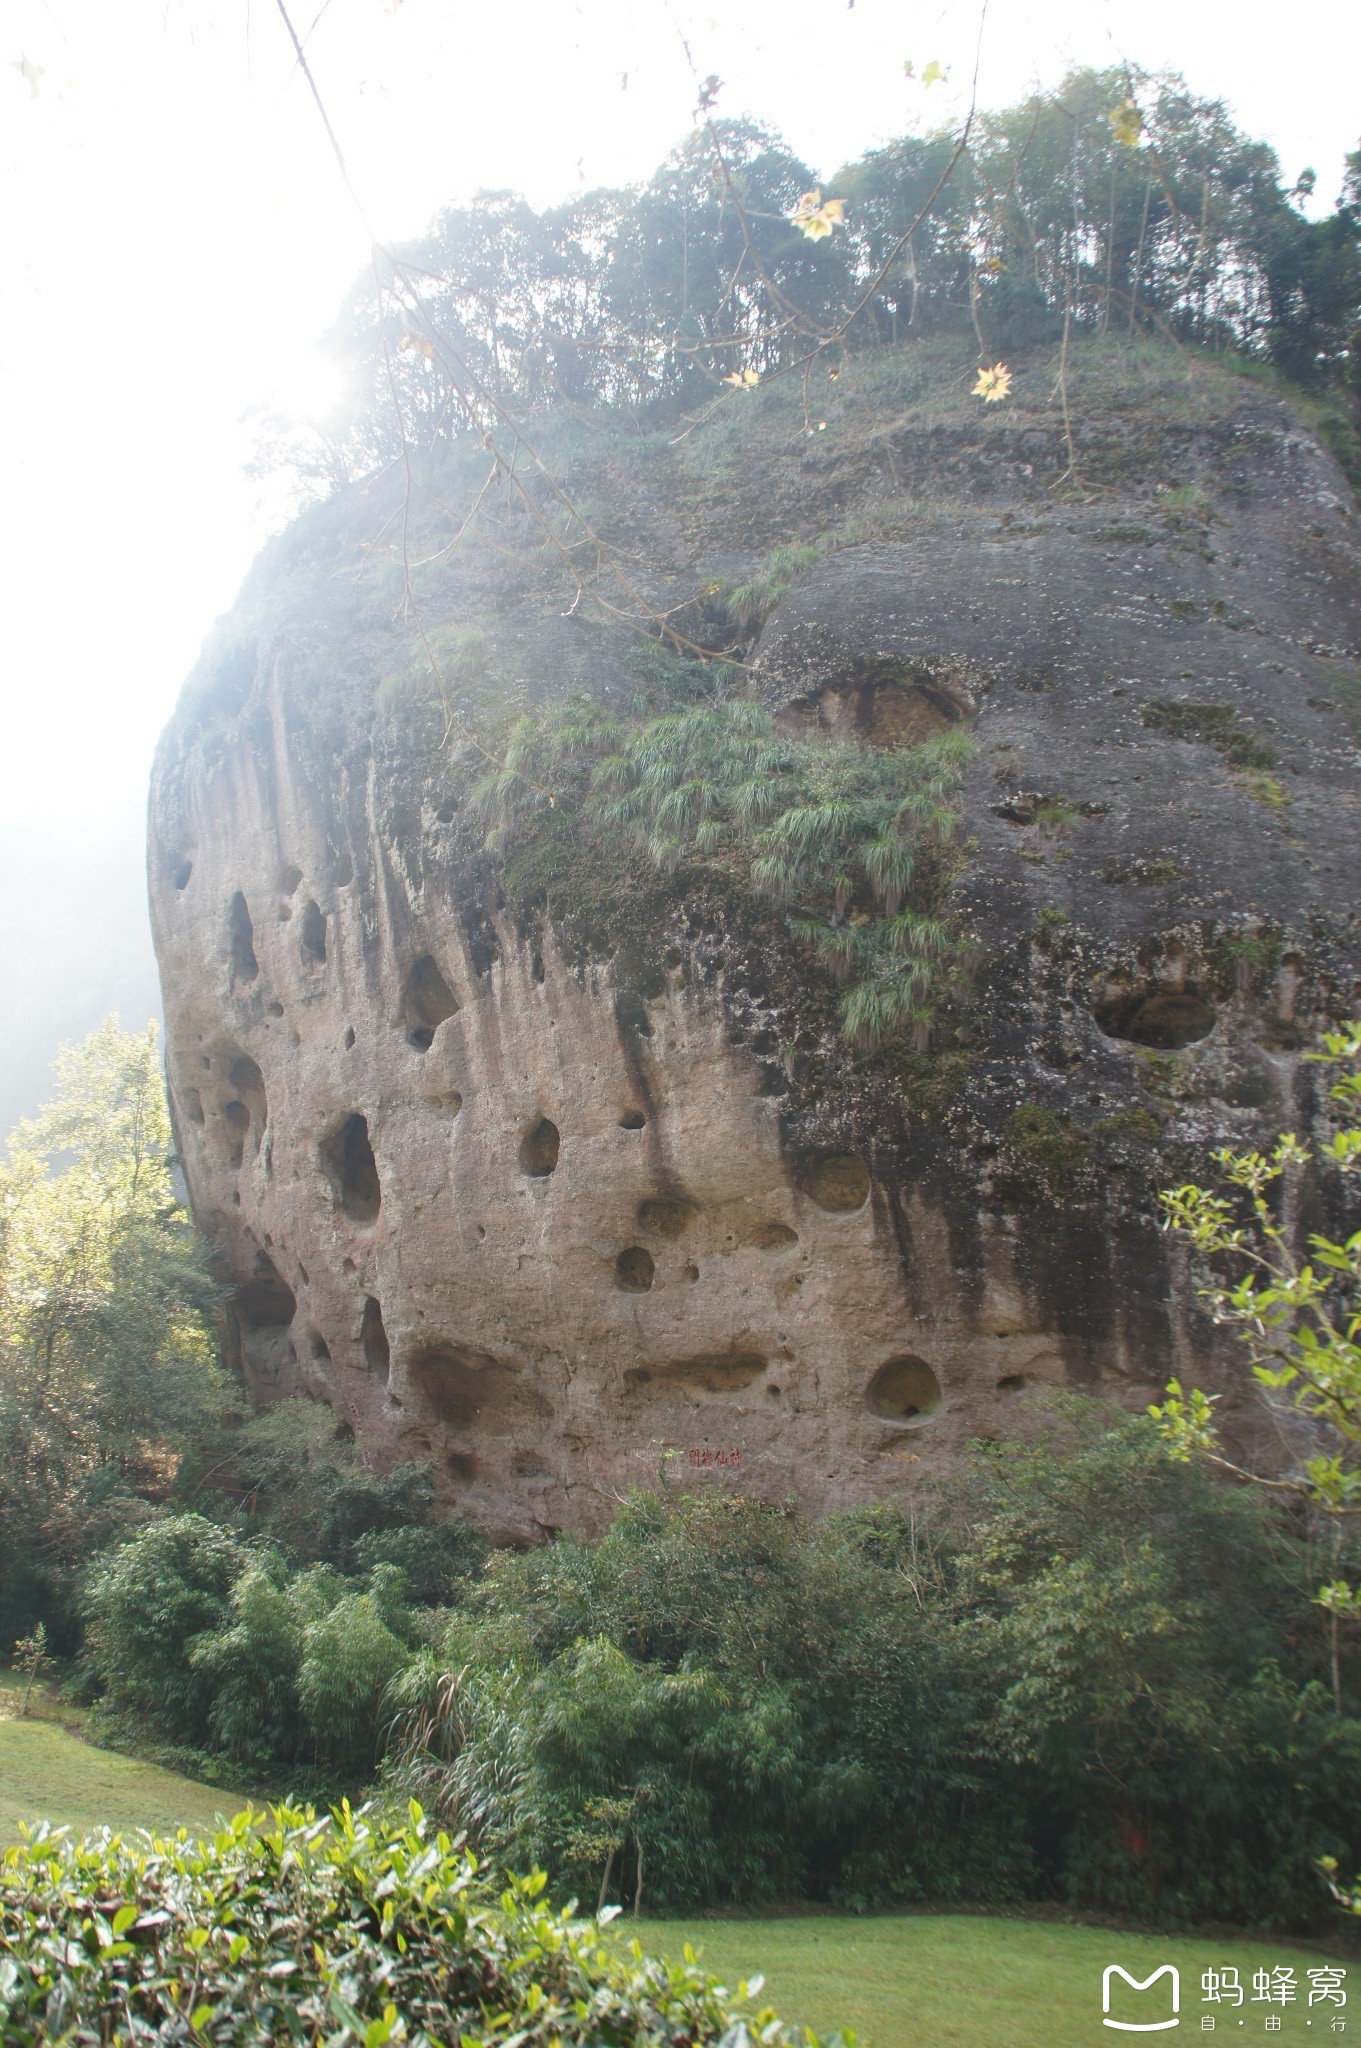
[(48, 1773), (960, 1981)]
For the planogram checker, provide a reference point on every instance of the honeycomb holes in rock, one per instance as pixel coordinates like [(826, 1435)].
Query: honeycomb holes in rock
[(539, 1149), (904, 1389), (1165, 1019), (247, 1111), (312, 936), (426, 1002), (838, 1182), (373, 1337), (241, 941), (354, 1170), (634, 1270)]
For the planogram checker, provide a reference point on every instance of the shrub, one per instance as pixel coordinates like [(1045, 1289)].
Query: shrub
[(146, 1603), (351, 1654), (251, 1668), (176, 1940)]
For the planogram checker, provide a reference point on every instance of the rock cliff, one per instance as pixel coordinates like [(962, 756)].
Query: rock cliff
[(559, 1174)]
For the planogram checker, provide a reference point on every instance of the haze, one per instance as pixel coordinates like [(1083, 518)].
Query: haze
[(175, 235)]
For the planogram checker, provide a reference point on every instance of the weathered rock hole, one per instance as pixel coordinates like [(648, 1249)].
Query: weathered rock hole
[(839, 1182), (632, 1120), (342, 874), (446, 813), (904, 1390), (772, 1237), (539, 1149), (348, 1040), (457, 1384), (451, 1102), (1011, 1383), (428, 1000), (320, 1349), (266, 1302), (249, 1083), (355, 1170), (666, 1216), (459, 1465), (237, 1119), (883, 704), (634, 1270), (289, 880), (1166, 1018), (692, 1273), (312, 938), (183, 870), (241, 936), (193, 1105), (276, 1009), (536, 968), (722, 1372), (374, 1337)]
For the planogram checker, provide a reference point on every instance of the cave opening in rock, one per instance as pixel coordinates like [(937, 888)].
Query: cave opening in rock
[(1164, 1018), (539, 1149), (312, 937), (904, 1389), (838, 1182), (427, 1001), (634, 1270), (1011, 1383), (241, 936), (632, 1120), (374, 1337), (266, 1302), (457, 1384), (354, 1170)]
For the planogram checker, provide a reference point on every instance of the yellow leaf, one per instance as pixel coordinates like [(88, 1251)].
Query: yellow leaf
[(816, 216), (418, 344), (1127, 123), (993, 384), (934, 72), (743, 380)]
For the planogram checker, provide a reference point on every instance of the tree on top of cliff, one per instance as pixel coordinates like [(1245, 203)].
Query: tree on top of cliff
[(1118, 203)]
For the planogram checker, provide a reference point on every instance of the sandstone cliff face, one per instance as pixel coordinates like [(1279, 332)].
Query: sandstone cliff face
[(563, 1201)]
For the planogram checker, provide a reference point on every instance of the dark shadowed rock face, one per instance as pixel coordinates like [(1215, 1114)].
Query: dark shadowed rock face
[(557, 1203)]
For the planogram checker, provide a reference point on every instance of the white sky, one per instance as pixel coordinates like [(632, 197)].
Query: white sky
[(173, 236)]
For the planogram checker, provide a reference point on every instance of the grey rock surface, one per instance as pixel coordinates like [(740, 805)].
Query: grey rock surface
[(561, 1223)]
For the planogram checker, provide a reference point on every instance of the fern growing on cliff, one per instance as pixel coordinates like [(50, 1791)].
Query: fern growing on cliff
[(849, 840)]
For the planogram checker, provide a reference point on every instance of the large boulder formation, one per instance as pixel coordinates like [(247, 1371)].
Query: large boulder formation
[(559, 1174)]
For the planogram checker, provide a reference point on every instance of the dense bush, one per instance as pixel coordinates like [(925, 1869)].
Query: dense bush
[(340, 1930), (1087, 1681), (1092, 1676)]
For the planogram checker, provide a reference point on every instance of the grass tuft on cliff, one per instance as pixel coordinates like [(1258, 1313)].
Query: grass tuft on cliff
[(849, 842)]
